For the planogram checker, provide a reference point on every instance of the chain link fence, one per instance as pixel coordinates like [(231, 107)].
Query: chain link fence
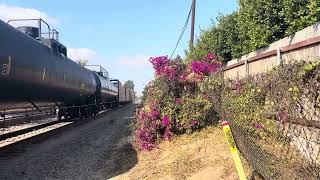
[(275, 119)]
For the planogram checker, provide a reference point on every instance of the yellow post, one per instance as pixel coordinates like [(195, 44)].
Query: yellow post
[(233, 149)]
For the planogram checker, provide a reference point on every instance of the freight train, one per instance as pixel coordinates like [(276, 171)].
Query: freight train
[(35, 69)]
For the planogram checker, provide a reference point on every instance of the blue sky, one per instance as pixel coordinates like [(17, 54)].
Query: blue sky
[(120, 35)]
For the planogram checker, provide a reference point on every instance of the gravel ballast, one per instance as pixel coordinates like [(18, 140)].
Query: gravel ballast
[(96, 149)]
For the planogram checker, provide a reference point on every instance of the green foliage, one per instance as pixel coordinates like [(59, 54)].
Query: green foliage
[(129, 84), (82, 62), (144, 94), (194, 109), (256, 105), (245, 106), (256, 24), (221, 39), (260, 23), (299, 14)]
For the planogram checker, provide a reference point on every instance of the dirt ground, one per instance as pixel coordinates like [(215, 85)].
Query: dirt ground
[(96, 148), (100, 148), (202, 155)]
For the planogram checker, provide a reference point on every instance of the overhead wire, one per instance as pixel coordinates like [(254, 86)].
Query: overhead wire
[(182, 32)]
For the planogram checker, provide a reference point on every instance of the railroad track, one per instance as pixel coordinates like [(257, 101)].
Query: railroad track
[(42, 130), (27, 130)]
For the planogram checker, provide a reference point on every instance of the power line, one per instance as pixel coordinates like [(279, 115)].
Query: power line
[(182, 32)]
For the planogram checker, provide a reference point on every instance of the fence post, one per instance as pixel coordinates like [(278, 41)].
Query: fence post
[(279, 56), (247, 68), (233, 149)]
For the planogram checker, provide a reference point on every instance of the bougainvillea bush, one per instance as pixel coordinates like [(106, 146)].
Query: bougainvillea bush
[(187, 96), (288, 94), (174, 102)]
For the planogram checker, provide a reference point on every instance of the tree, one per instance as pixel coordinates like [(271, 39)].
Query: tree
[(178, 58), (260, 23), (256, 24), (299, 14), (221, 38), (129, 84), (82, 62)]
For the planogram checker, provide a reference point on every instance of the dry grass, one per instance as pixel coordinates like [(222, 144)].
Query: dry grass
[(201, 155)]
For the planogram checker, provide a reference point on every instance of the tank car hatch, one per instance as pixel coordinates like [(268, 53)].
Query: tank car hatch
[(29, 30)]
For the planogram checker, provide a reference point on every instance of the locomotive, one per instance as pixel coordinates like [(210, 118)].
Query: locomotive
[(35, 69)]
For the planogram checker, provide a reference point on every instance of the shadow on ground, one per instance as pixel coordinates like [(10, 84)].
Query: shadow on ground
[(122, 156), (123, 160)]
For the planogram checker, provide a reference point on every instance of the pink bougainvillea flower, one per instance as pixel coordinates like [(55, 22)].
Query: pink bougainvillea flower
[(170, 72), (182, 77), (194, 123), (147, 138), (211, 56), (201, 67), (154, 125), (206, 97), (165, 121), (168, 134), (164, 67), (239, 87), (283, 116), (155, 114), (178, 101), (142, 116), (155, 102), (258, 126), (159, 63)]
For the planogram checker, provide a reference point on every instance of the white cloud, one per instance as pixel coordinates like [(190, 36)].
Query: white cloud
[(82, 53), (14, 12)]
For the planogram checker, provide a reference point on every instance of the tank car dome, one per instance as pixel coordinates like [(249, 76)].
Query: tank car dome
[(31, 31)]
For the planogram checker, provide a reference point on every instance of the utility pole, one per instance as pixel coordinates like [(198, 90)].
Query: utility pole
[(192, 23)]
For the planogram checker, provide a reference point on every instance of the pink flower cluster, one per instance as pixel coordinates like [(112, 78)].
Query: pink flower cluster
[(159, 63), (147, 138), (165, 121), (166, 124), (169, 71), (155, 114), (179, 101), (194, 123), (201, 67), (162, 67), (211, 56), (283, 115), (258, 126), (167, 134)]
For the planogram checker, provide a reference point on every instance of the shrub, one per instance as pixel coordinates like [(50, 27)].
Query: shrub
[(185, 97)]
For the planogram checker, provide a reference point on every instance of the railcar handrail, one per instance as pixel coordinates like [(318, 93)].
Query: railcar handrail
[(53, 34), (101, 70)]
